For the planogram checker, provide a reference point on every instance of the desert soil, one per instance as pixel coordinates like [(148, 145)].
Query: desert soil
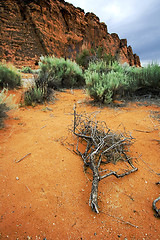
[(46, 194)]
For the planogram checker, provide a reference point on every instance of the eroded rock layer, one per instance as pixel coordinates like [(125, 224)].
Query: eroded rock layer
[(31, 28)]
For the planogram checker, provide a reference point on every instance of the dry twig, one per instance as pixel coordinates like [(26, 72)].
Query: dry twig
[(121, 220), (157, 214), (23, 157)]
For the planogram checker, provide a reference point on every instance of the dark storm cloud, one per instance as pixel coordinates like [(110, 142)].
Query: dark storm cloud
[(136, 20)]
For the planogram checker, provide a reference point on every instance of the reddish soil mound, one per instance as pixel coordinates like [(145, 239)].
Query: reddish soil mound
[(46, 194)]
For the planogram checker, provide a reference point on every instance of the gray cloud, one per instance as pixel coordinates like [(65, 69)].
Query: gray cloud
[(138, 21)]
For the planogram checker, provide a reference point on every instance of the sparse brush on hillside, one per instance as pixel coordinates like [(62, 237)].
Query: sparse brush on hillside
[(105, 82), (9, 76)]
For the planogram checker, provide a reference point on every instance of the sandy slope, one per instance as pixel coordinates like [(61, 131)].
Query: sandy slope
[(45, 196)]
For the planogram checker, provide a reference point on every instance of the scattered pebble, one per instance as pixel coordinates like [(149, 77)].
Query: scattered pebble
[(119, 235)]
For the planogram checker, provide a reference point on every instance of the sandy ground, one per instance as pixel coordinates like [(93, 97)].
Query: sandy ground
[(46, 194)]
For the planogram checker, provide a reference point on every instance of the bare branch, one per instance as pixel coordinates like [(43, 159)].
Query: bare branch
[(155, 208), (98, 145), (23, 157), (119, 175)]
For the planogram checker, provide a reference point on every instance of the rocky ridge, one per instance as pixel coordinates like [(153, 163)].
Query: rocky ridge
[(31, 28)]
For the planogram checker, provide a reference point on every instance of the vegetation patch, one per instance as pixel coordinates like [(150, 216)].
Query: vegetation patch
[(33, 95), (9, 76), (93, 55), (54, 74), (60, 73), (26, 70), (6, 103), (105, 83)]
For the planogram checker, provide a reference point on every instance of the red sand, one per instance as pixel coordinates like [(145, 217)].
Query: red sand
[(46, 194)]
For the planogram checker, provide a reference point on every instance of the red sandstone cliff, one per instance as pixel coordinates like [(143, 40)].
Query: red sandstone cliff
[(31, 28)]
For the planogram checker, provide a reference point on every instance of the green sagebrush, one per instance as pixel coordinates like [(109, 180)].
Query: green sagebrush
[(93, 55), (33, 95), (54, 73), (105, 82), (9, 76), (6, 103), (26, 70), (59, 73), (3, 108), (143, 80)]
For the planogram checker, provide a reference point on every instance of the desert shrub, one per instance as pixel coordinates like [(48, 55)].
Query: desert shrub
[(104, 82), (143, 80), (3, 109), (108, 58), (99, 66), (26, 70), (54, 73), (131, 76), (94, 55), (6, 103), (151, 76), (99, 52), (33, 95), (59, 73), (9, 76), (83, 58)]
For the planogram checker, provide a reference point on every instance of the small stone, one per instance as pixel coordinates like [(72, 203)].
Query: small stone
[(17, 178), (49, 109)]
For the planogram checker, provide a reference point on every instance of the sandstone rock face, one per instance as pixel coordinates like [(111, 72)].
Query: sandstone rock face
[(31, 28)]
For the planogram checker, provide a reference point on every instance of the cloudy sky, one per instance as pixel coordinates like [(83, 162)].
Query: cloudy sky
[(136, 20)]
